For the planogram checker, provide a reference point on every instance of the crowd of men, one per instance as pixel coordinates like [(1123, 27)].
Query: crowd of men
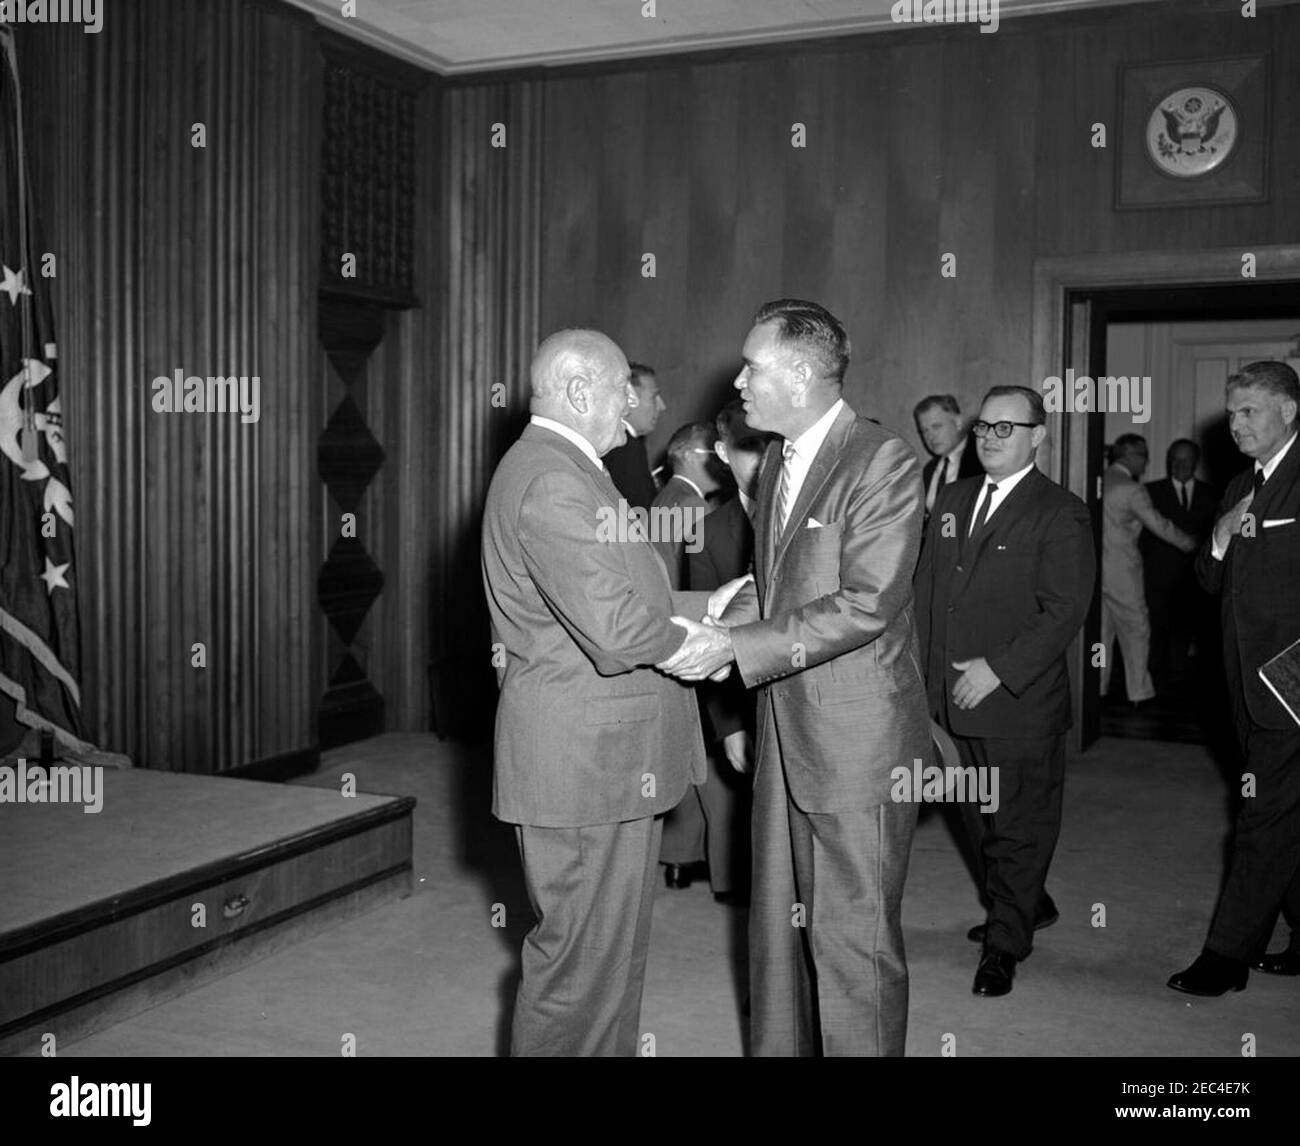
[(736, 697)]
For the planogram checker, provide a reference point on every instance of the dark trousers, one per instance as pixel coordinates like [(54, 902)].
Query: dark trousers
[(1013, 846), (1264, 868), (592, 890), (827, 968), (712, 823)]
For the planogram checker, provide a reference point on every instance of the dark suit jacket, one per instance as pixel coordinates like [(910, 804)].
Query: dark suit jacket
[(970, 465), (1164, 565), (580, 616), (1257, 578), (629, 466), (726, 552), (828, 630), (1014, 594), (676, 521)]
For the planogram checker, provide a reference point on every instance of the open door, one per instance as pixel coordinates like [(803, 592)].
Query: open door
[(1083, 443)]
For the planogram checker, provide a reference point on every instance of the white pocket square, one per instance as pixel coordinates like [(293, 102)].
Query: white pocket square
[(813, 523), (1279, 521)]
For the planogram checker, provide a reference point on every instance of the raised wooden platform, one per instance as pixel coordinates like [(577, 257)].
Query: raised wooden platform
[(100, 912)]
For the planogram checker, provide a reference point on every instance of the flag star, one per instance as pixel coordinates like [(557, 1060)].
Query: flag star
[(53, 576), (13, 285)]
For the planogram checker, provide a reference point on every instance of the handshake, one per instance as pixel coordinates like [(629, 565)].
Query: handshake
[(706, 653)]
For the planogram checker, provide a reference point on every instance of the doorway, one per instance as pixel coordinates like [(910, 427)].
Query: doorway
[(1076, 301)]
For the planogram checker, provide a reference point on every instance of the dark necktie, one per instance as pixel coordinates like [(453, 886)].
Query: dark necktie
[(1182, 496), (983, 514), (1259, 479)]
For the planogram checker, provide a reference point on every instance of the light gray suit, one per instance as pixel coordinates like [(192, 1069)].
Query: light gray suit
[(828, 634), (591, 742)]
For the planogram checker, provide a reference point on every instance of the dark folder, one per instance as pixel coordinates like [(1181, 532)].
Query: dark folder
[(1282, 675)]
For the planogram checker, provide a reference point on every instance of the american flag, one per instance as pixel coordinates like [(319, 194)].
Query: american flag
[(39, 629)]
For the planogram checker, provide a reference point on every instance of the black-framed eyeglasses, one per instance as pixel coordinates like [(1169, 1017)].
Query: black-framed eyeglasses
[(981, 428)]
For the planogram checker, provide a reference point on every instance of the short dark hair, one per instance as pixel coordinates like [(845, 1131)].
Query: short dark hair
[(637, 370), (1037, 411), (1126, 442), (1275, 377), (945, 402), (1169, 453), (814, 327), (732, 428), (685, 437)]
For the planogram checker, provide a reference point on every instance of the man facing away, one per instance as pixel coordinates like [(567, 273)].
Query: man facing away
[(591, 743), (1004, 583), (826, 634), (1126, 511), (1180, 610), (1253, 561), (712, 823)]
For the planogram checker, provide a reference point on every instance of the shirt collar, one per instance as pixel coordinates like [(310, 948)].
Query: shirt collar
[(956, 453), (631, 431), (1276, 459), (810, 441), (747, 503), (1007, 484), (687, 481), (568, 432)]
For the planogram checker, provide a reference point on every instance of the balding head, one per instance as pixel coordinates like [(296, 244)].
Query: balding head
[(580, 379)]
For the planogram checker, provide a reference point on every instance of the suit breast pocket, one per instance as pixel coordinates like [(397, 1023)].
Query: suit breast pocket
[(815, 553)]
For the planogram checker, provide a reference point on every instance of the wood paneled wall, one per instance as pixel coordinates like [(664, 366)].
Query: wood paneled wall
[(192, 528), (919, 143)]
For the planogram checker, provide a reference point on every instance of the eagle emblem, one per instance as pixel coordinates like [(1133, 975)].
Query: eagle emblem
[(1191, 132)]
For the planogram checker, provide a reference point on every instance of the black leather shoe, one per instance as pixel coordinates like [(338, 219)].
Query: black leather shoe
[(677, 875), (1283, 963), (1211, 975), (977, 933), (996, 970)]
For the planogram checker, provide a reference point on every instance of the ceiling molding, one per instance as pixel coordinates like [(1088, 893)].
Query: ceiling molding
[(327, 12)]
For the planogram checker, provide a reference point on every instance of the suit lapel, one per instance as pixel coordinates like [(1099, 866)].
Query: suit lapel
[(1008, 510), (764, 519), (818, 473), (1277, 486)]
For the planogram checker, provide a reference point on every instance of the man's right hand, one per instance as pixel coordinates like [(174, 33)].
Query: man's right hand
[(1229, 525), (740, 751)]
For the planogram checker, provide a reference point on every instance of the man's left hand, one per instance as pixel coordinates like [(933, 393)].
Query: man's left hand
[(977, 680), (705, 652)]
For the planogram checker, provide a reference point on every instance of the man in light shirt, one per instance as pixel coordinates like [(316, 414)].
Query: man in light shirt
[(1253, 561), (1126, 510)]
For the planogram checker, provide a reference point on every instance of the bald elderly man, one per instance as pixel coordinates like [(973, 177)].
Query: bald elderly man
[(592, 745)]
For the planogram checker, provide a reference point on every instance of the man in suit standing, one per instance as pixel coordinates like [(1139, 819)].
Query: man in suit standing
[(827, 635), (1253, 561), (1003, 585), (712, 822), (592, 744), (678, 511), (628, 464), (1178, 607), (951, 446), (1126, 511)]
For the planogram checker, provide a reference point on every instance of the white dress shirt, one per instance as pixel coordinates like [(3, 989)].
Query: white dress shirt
[(945, 473), (687, 482), (805, 448), (567, 432), (1272, 464), (1005, 486), (1184, 491)]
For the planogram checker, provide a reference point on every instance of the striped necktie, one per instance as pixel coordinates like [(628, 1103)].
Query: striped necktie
[(783, 490)]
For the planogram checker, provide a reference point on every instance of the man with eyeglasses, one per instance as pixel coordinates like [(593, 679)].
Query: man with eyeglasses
[(1004, 582)]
